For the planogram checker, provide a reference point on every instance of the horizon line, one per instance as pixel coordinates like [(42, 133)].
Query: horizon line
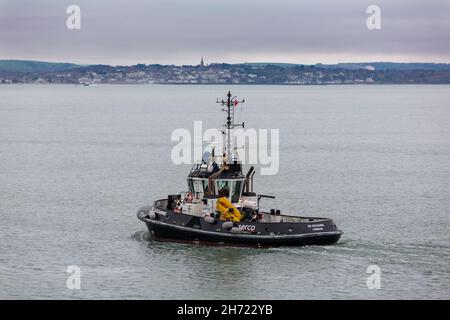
[(213, 63)]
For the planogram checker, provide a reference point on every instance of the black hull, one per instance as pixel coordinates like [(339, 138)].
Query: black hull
[(169, 234), (168, 229)]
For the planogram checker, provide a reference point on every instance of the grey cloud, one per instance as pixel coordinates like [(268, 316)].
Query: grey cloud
[(177, 31)]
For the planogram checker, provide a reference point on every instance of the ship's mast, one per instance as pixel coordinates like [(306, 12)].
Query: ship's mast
[(230, 104)]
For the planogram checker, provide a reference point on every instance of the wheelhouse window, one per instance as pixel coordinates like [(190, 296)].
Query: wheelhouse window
[(190, 185), (223, 188), (205, 186), (237, 187), (198, 186)]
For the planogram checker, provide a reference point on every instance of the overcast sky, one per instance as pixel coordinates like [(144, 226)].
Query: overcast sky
[(233, 31)]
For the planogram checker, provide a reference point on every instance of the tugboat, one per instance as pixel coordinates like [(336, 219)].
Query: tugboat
[(220, 208)]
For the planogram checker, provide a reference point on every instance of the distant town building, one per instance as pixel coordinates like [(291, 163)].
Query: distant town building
[(202, 63)]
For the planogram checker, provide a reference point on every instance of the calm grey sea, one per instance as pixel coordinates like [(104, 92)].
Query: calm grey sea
[(77, 162)]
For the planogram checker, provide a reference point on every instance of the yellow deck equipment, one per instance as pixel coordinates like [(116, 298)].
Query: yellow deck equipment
[(227, 210)]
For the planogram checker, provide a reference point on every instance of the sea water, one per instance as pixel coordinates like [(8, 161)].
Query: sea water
[(77, 162)]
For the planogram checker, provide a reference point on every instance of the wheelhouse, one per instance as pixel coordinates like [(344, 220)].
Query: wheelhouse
[(229, 188)]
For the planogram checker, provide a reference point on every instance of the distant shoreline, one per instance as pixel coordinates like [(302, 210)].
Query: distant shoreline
[(224, 85), (16, 71)]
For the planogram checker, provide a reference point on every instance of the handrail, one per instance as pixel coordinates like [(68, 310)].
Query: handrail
[(264, 196)]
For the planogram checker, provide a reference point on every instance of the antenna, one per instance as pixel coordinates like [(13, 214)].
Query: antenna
[(230, 105)]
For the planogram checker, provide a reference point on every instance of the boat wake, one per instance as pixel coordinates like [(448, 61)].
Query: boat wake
[(141, 236), (420, 255)]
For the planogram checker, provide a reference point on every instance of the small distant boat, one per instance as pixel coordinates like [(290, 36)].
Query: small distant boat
[(221, 208), (84, 84)]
